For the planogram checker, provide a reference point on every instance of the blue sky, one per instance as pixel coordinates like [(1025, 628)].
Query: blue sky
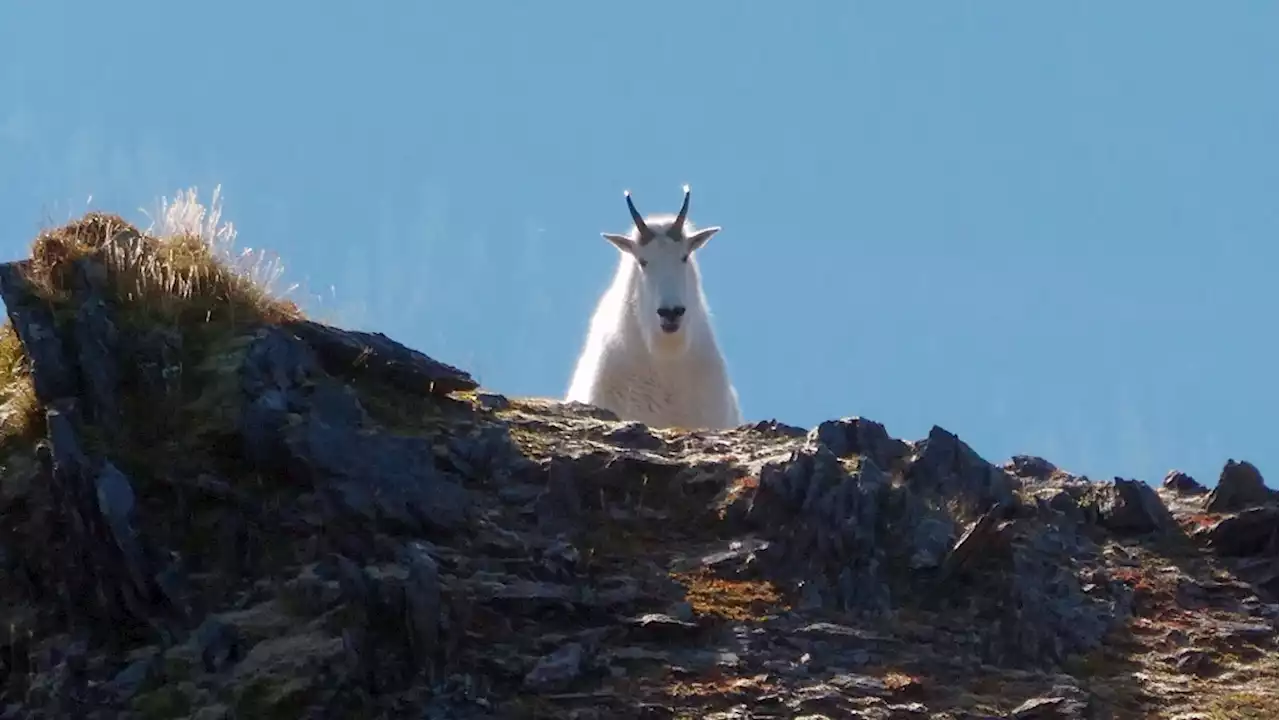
[(1047, 227)]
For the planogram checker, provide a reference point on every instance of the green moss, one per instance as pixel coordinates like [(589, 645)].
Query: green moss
[(168, 701), (274, 698)]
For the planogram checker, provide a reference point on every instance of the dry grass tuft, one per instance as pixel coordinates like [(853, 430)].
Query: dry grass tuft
[(1241, 706), (184, 275), (20, 413), (180, 277)]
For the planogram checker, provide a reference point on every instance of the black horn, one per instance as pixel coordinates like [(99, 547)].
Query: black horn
[(677, 227), (645, 233)]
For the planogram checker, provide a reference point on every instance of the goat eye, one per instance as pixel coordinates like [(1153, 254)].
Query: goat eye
[(684, 259), (643, 263)]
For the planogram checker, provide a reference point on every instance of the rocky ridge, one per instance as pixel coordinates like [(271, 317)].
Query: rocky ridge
[(283, 519)]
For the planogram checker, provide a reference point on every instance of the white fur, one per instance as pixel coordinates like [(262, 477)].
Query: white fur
[(630, 365)]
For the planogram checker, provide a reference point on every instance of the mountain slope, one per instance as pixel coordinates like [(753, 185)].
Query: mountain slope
[(213, 507)]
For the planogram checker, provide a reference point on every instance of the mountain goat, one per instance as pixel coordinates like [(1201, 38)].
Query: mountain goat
[(651, 355)]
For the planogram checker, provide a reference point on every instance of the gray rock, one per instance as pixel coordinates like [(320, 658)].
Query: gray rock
[(112, 565), (983, 539), (859, 436), (559, 506), (52, 373), (1240, 486), (824, 520), (422, 600), (557, 670), (931, 540), (779, 429), (377, 477), (1247, 533), (634, 435), (1248, 632), (944, 465), (1192, 661), (1130, 506), (658, 626), (1031, 466), (492, 400), (369, 476), (218, 644), (1183, 483), (1050, 708), (350, 354), (136, 675), (95, 339)]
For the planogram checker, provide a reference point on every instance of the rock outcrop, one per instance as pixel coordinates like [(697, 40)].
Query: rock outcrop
[(263, 516)]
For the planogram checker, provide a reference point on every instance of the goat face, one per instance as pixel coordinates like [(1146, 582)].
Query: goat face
[(667, 294)]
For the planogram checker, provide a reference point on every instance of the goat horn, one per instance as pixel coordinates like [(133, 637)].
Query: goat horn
[(678, 226), (645, 232)]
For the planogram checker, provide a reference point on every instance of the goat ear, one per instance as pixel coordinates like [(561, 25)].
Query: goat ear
[(622, 242), (700, 238)]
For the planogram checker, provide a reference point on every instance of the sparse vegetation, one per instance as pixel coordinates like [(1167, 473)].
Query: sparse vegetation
[(308, 596), (180, 284)]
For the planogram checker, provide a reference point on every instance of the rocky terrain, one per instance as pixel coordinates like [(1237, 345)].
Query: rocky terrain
[(211, 507)]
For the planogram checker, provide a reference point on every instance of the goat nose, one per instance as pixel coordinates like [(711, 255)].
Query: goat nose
[(671, 313)]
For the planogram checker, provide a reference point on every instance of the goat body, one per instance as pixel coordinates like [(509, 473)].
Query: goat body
[(658, 376)]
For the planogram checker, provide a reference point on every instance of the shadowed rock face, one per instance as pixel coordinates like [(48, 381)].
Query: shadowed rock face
[(359, 535)]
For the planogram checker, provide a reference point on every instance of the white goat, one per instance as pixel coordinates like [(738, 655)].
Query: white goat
[(651, 355)]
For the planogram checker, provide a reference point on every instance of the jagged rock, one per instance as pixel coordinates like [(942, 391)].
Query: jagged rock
[(489, 454), (217, 644), (559, 505), (859, 436), (983, 539), (373, 477), (944, 464), (1194, 662), (556, 670), (114, 568), (740, 555), (1240, 486), (839, 534), (658, 625), (379, 478), (931, 541), (1247, 632), (634, 435), (1030, 466), (96, 340), (1050, 708), (773, 427), (350, 354), (1251, 532), (54, 377), (1053, 616), (1183, 483), (1131, 506), (492, 400), (129, 681), (580, 409), (422, 599)]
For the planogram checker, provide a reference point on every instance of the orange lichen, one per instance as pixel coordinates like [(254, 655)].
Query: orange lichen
[(900, 682), (730, 599), (1197, 521), (721, 687)]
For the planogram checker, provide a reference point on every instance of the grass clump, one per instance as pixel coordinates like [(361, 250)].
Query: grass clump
[(20, 412), (182, 275), (177, 288)]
